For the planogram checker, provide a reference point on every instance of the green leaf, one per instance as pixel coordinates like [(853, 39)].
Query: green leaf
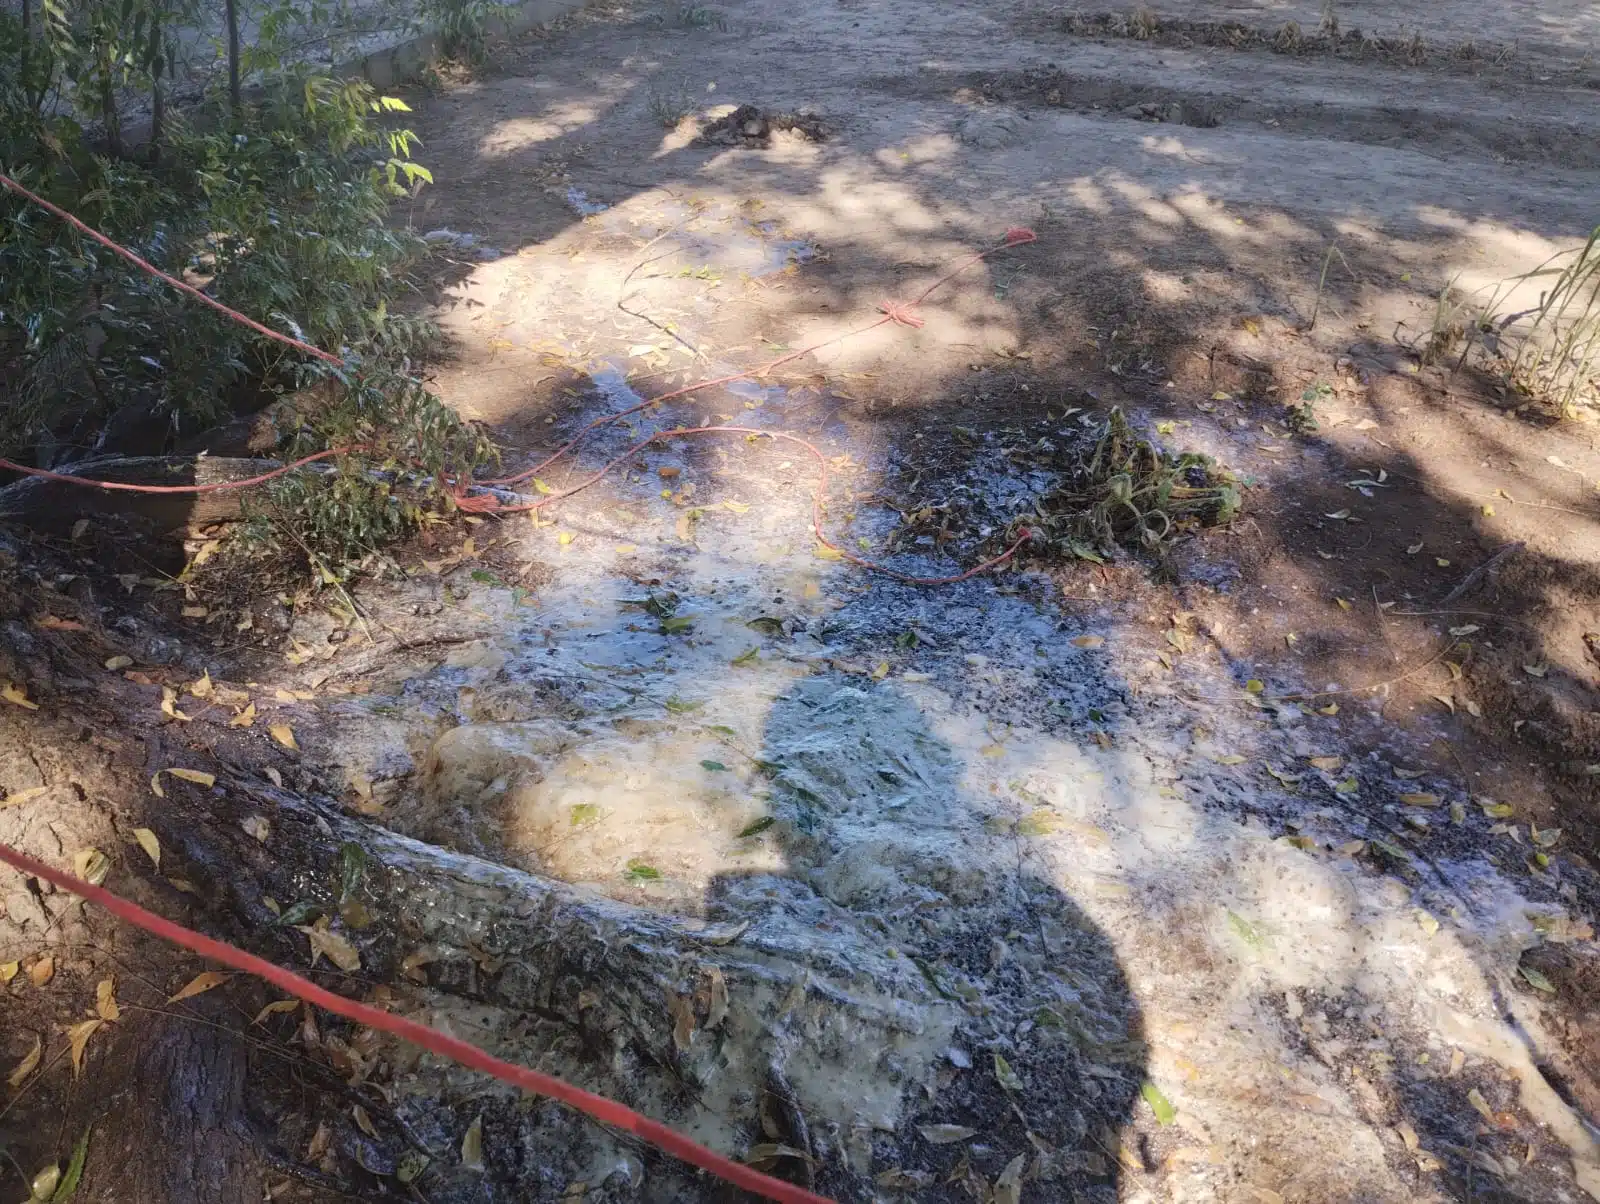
[(352, 868), (584, 813), (68, 1187), (681, 706), (639, 871), (757, 827), (677, 623), (722, 729), (301, 912), (713, 767), (1159, 1104), (1536, 980), (766, 625), (1006, 1076), (748, 657), (1248, 932)]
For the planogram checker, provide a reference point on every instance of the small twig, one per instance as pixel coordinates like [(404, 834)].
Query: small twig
[(1322, 280), (1488, 567)]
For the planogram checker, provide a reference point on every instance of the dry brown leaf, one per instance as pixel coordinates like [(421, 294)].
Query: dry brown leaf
[(1458, 1059), (364, 1122), (1475, 1098), (274, 777), (1089, 641), (150, 843), (276, 1008), (105, 1001), (29, 1063), (329, 944), (1420, 799), (682, 1012), (119, 662), (283, 734), (42, 971), (17, 696), (1409, 1136), (78, 1037), (245, 717), (1327, 764), (945, 1134), (258, 827), (719, 997), (200, 984)]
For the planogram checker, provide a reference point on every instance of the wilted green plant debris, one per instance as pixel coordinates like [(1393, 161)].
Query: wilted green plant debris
[(1124, 490)]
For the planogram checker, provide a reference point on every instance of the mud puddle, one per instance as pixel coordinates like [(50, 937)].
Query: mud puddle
[(1109, 873)]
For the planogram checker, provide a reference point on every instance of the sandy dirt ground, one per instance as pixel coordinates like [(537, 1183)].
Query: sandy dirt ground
[(1261, 870)]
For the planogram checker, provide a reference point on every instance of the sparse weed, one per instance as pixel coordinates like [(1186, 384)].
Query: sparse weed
[(695, 16), (1553, 349), (670, 103), (1549, 353)]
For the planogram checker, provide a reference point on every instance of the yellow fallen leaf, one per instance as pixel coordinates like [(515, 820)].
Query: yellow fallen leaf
[(78, 1036), (22, 796), (169, 705), (203, 687), (565, 538), (29, 1063), (119, 662), (105, 1000), (17, 696), (1328, 764), (150, 843), (1475, 1098), (91, 865), (283, 734), (42, 971), (472, 1146), (198, 776), (1089, 641), (329, 944), (257, 826), (826, 553), (1420, 799), (1229, 759), (274, 777), (284, 696), (245, 717), (195, 612), (276, 1008), (881, 672), (8, 971), (200, 984)]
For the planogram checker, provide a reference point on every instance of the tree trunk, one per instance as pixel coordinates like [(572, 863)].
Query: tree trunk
[(158, 100), (235, 94), (171, 1127), (687, 1023)]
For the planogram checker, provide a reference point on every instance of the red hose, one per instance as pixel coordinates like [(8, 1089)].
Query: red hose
[(596, 1106)]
